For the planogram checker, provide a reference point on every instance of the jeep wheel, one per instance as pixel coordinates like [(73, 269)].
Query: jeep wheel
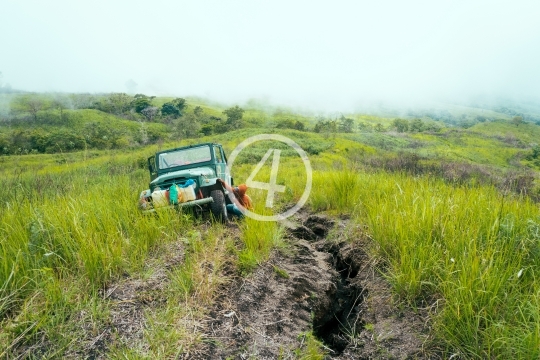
[(218, 206)]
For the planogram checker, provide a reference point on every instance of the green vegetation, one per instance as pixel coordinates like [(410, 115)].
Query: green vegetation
[(470, 252), (452, 216), (259, 237), (64, 236), (281, 272), (311, 349)]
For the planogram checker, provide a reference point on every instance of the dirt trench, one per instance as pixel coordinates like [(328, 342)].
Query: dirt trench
[(322, 283), (325, 286)]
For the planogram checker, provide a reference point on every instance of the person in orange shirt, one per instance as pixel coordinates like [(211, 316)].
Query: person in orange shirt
[(243, 201)]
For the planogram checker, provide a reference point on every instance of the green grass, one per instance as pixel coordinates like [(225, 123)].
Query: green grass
[(78, 230), (78, 119), (70, 226), (282, 273), (259, 238), (337, 191), (467, 147), (526, 132), (311, 348), (175, 329), (469, 252)]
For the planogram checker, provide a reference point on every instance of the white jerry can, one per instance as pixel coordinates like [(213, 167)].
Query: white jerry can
[(159, 199)]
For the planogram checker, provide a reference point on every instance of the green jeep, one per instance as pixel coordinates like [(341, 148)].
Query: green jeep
[(200, 165)]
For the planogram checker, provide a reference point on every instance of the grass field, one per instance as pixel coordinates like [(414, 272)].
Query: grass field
[(467, 251)]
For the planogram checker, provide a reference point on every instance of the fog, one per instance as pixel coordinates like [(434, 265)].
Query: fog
[(335, 56)]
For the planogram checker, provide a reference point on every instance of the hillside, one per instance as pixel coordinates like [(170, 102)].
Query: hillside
[(420, 243)]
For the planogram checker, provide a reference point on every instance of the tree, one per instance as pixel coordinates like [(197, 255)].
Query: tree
[(198, 111), (207, 129), (102, 104), (180, 103), (141, 102), (417, 125), (364, 127), (60, 104), (346, 124), (285, 124), (534, 154), (169, 109), (379, 127), (481, 118), (326, 126), (150, 112), (5, 144), (34, 105), (100, 135), (298, 125), (120, 102), (401, 125), (28, 104), (173, 109), (234, 116), (82, 101), (433, 126), (517, 120), (63, 140), (187, 126)]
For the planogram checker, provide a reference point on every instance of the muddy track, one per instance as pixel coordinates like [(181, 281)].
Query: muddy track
[(322, 283), (325, 286)]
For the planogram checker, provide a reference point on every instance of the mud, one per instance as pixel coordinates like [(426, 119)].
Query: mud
[(324, 285)]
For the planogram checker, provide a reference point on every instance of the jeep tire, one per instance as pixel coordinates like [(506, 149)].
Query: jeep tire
[(218, 206)]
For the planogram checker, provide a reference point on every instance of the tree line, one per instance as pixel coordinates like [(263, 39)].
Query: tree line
[(45, 123), (348, 125), (70, 131), (155, 120)]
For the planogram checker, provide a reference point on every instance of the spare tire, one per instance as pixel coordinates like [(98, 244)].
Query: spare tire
[(218, 207)]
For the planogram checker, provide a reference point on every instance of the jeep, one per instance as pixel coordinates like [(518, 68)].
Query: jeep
[(203, 164)]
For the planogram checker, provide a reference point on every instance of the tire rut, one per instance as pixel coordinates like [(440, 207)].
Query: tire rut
[(325, 286)]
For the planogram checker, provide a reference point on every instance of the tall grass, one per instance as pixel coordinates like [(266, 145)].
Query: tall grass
[(470, 252), (177, 327), (336, 191), (68, 229), (259, 238), (79, 238)]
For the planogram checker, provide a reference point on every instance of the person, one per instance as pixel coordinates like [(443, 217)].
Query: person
[(243, 201)]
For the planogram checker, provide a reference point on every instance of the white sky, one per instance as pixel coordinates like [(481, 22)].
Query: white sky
[(318, 54)]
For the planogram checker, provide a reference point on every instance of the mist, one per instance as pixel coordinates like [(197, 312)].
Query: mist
[(312, 55)]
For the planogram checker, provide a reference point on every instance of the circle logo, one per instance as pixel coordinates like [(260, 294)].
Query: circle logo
[(272, 187)]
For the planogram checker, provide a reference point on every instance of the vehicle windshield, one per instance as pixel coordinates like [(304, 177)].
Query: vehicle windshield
[(184, 157)]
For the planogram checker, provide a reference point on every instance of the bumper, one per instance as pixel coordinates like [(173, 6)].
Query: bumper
[(187, 204)]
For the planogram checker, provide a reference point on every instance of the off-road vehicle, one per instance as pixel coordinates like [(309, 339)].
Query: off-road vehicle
[(200, 165)]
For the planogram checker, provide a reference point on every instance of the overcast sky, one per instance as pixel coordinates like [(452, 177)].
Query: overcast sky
[(319, 54)]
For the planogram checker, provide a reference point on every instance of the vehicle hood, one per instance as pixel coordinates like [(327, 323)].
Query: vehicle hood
[(186, 174)]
